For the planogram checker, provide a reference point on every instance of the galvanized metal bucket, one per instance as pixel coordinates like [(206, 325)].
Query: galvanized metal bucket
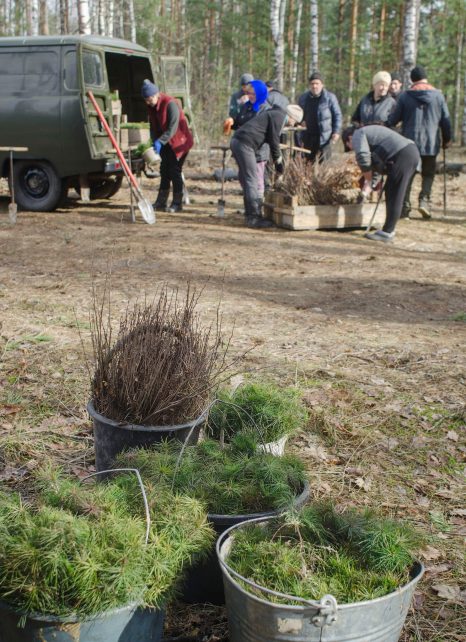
[(256, 619)]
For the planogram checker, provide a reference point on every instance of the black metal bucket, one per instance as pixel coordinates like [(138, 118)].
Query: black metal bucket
[(113, 437), (127, 624), (204, 583)]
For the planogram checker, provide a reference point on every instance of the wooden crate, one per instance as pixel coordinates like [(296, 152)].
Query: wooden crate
[(284, 211)]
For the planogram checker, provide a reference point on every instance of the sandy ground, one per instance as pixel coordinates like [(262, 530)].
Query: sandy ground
[(370, 331)]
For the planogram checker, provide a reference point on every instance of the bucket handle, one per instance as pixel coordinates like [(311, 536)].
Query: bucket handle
[(327, 606), (141, 486)]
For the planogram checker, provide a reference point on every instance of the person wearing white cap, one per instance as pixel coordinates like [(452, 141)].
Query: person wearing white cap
[(266, 127), (378, 104)]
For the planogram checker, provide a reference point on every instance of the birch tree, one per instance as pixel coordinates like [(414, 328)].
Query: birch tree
[(410, 36), (294, 68), (314, 36), (354, 36), (277, 26)]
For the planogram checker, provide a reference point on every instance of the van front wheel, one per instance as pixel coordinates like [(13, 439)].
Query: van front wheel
[(38, 188)]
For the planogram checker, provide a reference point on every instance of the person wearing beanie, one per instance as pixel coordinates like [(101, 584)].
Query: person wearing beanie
[(385, 151), (376, 106), (172, 139), (256, 92), (265, 127), (238, 98), (322, 119), (275, 97), (396, 85), (423, 111)]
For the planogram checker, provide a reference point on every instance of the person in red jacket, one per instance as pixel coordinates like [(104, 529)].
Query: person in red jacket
[(172, 140)]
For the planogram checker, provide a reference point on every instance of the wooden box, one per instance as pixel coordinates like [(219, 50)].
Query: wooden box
[(284, 211)]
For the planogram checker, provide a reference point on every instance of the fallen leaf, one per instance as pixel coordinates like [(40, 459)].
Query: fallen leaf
[(364, 484), (448, 592), (440, 568), (423, 501), (431, 553), (461, 512), (451, 434), (9, 409)]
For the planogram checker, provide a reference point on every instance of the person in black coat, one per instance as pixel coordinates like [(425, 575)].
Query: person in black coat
[(266, 127), (423, 111), (376, 106)]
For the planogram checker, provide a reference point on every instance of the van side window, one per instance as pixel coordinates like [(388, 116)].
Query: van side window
[(31, 72), (71, 71), (92, 68)]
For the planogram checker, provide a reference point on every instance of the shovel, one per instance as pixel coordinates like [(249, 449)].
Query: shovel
[(221, 201), (145, 206), (12, 207)]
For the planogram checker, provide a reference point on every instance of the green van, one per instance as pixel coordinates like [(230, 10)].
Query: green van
[(44, 107)]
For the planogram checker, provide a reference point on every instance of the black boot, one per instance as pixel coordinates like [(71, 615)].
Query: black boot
[(254, 216), (160, 204), (177, 203)]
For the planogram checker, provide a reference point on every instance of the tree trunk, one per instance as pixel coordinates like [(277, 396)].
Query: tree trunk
[(277, 20), (459, 57), (410, 34), (28, 8), (354, 35), (64, 17), (43, 18), (314, 36), (463, 126), (294, 69)]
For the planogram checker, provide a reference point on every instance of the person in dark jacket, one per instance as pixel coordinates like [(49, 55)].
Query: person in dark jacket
[(172, 139), (322, 118), (257, 102), (263, 128), (238, 98), (275, 97), (423, 110), (396, 85), (376, 106), (385, 151)]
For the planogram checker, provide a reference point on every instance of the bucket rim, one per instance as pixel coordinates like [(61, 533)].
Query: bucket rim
[(232, 520), (94, 414), (224, 541), (72, 618)]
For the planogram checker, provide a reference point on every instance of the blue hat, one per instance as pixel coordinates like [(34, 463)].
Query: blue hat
[(260, 89), (149, 89)]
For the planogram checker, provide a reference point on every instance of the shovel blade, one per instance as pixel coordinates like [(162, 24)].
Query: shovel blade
[(221, 208), (147, 211), (12, 211)]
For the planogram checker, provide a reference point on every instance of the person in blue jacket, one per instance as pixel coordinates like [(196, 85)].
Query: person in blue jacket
[(423, 112), (322, 119)]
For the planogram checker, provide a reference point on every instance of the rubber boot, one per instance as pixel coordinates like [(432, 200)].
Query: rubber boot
[(160, 204), (424, 197), (177, 203), (254, 219)]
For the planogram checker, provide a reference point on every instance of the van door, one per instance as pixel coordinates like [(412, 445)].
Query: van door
[(93, 77)]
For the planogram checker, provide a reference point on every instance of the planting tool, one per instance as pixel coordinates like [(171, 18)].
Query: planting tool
[(12, 207), (145, 206), (444, 182), (186, 199), (221, 200), (369, 225), (294, 148)]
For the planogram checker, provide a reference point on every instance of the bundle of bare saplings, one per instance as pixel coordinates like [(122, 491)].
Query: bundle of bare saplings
[(331, 183)]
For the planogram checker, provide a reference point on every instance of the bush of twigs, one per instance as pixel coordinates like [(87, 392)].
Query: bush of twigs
[(162, 365), (329, 183)]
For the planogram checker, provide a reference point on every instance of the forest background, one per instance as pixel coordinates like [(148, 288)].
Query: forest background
[(347, 40)]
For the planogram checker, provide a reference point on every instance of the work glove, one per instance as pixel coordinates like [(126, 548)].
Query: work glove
[(227, 125), (157, 145), (279, 166)]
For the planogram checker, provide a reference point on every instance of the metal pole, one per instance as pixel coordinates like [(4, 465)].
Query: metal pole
[(131, 203), (375, 208), (444, 182)]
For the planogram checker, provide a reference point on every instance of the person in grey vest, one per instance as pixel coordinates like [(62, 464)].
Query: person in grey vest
[(238, 98), (385, 151), (275, 97), (322, 118), (266, 127), (376, 106), (423, 112)]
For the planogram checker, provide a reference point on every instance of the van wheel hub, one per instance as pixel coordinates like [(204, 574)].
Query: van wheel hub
[(36, 182)]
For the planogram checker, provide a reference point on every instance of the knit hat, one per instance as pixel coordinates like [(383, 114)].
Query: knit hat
[(246, 79), (397, 76), (381, 76), (418, 73), (316, 75), (272, 84), (295, 112), (260, 89), (149, 89)]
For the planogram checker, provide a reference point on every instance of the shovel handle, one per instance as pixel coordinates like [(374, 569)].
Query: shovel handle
[(125, 165)]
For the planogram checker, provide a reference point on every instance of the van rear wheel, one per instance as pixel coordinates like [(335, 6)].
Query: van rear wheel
[(38, 188)]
